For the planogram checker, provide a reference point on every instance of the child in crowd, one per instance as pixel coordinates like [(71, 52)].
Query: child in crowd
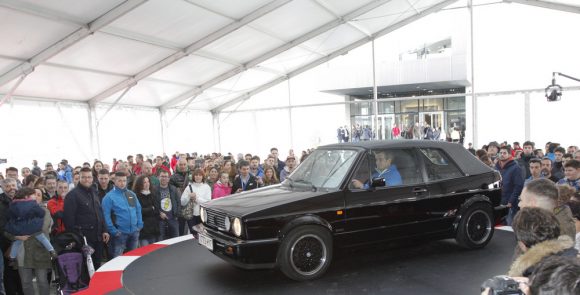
[(25, 218), (222, 187)]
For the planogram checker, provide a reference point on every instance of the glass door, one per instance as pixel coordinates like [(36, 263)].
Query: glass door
[(432, 120)]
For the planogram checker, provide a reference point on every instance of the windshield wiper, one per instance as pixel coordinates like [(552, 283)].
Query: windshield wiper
[(308, 183)]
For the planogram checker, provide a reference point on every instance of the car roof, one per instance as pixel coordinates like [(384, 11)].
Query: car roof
[(461, 156)]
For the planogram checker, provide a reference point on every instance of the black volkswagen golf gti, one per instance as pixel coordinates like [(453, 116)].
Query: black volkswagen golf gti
[(354, 194)]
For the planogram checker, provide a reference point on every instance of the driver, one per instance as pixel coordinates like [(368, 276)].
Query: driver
[(385, 169)]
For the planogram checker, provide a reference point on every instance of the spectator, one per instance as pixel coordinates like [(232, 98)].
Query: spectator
[(24, 172), (255, 168), (168, 198), (542, 193), (513, 181), (83, 214), (269, 177), (493, 150), (572, 173), (56, 207), (228, 167), (535, 170), (396, 132), (34, 262), (138, 166), (30, 180), (213, 176), (97, 166), (556, 275), (289, 168), (222, 187), (65, 172), (126, 209), (25, 218), (147, 170), (197, 192), (563, 212), (577, 155), (180, 177), (558, 165), (149, 210), (278, 164), (547, 170), (49, 187), (104, 184), (524, 160), (35, 169), (160, 165), (537, 232), (575, 209), (245, 181)]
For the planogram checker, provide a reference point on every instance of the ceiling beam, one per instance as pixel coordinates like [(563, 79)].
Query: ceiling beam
[(70, 40), (318, 31), (324, 5), (334, 54), (548, 5), (190, 49)]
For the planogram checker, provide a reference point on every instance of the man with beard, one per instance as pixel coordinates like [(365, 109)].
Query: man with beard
[(103, 184), (513, 181), (83, 214), (547, 170)]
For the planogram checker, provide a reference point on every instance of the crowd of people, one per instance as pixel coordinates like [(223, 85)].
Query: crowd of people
[(117, 207), (541, 189), (417, 131), (123, 205)]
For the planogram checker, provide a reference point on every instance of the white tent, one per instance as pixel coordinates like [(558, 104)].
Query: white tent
[(101, 65)]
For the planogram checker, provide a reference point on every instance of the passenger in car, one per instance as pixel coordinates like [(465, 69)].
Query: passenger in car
[(385, 169)]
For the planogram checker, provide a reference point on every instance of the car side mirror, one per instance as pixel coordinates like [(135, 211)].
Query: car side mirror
[(378, 182)]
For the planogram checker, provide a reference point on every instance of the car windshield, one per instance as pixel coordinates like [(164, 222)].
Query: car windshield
[(323, 169)]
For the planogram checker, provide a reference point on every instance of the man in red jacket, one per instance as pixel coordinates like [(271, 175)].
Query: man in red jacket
[(56, 206)]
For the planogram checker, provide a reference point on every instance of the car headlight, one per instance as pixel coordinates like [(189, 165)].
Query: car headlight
[(227, 224), (203, 214), (237, 227)]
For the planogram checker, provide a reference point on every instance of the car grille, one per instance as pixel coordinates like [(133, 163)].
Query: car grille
[(215, 219)]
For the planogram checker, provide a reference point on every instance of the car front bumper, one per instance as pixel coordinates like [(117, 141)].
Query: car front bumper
[(247, 254)]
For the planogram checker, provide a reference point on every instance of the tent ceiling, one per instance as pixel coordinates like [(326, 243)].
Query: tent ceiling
[(204, 54)]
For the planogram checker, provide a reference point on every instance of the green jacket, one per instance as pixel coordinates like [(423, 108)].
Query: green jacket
[(35, 255)]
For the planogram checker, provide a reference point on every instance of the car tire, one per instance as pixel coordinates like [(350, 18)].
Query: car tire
[(476, 226), (305, 253)]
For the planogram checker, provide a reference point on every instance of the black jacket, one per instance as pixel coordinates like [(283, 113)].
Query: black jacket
[(150, 215), (102, 192), (252, 184), (175, 199), (83, 212), (4, 205)]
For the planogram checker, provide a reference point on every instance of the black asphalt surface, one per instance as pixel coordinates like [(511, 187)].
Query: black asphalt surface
[(439, 267)]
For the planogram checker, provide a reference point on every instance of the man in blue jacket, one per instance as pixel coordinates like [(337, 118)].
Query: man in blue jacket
[(512, 179), (122, 205)]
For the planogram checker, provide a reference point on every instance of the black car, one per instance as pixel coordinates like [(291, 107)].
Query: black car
[(354, 194)]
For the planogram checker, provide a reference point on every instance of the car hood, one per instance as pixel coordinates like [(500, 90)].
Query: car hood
[(246, 203)]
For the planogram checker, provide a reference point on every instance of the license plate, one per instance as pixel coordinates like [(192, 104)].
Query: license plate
[(206, 241)]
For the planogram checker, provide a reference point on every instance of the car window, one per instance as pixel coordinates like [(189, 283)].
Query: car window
[(438, 165), (396, 166)]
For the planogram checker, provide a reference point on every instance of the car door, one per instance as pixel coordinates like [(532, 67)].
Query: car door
[(447, 188), (387, 212)]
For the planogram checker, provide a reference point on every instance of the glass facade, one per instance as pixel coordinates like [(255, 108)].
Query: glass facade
[(442, 114)]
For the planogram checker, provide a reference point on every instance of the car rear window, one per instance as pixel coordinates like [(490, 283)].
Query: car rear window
[(438, 165)]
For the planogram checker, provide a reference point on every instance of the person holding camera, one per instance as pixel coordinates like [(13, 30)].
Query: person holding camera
[(538, 235)]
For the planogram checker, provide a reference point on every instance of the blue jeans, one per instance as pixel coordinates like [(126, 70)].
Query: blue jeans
[(17, 244), (124, 242), (145, 242), (168, 229)]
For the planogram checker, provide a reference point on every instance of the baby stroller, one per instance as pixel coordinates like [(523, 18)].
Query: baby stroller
[(71, 269)]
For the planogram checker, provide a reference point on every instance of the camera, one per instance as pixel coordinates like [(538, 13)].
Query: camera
[(500, 285)]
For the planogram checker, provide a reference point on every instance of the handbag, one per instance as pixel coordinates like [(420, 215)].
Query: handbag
[(187, 210)]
